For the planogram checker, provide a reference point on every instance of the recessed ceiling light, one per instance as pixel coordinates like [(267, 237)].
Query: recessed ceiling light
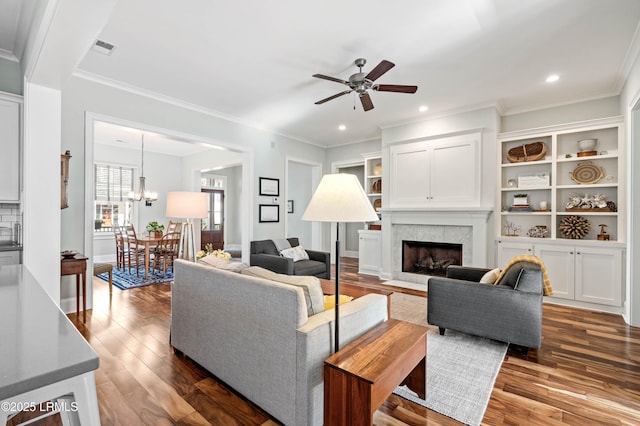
[(342, 127), (423, 108), (552, 78)]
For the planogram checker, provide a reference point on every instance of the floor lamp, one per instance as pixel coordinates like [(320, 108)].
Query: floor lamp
[(187, 205), (339, 198)]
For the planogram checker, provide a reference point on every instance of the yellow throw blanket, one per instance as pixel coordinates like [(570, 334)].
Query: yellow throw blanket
[(548, 291)]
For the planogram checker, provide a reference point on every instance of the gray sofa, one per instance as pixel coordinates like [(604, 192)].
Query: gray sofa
[(510, 311), (256, 335), (265, 254)]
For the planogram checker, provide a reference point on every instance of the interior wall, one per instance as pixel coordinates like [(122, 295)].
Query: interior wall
[(11, 81), (80, 96), (630, 107), (300, 190)]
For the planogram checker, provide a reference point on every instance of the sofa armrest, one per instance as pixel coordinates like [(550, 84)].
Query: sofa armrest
[(321, 256), (279, 264), (496, 312), (466, 273), (315, 344)]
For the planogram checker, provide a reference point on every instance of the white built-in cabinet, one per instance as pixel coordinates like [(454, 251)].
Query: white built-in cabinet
[(369, 250), (10, 149), (588, 271), (436, 172)]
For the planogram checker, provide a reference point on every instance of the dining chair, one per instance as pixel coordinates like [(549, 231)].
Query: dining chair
[(174, 227), (165, 252), (121, 247), (134, 249)]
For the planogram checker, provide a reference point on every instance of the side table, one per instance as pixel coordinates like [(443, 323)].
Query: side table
[(77, 266), (361, 376)]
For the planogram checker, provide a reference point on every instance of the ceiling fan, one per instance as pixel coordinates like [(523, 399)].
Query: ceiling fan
[(361, 82)]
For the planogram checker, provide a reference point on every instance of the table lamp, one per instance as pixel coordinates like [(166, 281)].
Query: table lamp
[(339, 198), (187, 205)]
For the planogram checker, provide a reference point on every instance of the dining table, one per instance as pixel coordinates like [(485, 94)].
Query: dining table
[(147, 241)]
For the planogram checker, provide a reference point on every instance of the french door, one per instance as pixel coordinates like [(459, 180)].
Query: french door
[(213, 226)]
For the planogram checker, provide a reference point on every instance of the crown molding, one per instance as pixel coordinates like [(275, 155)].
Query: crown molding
[(119, 85)]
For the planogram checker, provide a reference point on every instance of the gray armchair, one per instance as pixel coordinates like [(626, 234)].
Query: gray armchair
[(265, 254), (510, 311)]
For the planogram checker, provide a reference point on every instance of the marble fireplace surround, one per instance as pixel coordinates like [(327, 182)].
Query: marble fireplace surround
[(468, 227)]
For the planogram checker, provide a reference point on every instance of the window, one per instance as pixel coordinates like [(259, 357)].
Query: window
[(112, 186)]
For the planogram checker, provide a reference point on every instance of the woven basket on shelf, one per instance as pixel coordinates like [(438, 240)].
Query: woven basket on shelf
[(529, 152)]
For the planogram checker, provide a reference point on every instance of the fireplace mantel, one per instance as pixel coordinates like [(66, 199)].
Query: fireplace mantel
[(452, 219)]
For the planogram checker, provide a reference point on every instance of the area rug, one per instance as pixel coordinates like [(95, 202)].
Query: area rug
[(461, 371), (126, 281)]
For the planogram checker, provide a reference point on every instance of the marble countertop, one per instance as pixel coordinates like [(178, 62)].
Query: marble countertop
[(39, 345)]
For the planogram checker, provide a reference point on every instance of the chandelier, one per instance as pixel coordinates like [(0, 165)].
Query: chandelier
[(142, 193)]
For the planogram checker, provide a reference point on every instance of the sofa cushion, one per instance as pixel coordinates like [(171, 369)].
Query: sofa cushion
[(295, 253), (310, 286), (529, 280), (520, 261), (309, 267), (490, 277), (225, 264), (330, 300)]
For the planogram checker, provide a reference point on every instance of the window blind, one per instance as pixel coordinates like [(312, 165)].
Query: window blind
[(112, 183)]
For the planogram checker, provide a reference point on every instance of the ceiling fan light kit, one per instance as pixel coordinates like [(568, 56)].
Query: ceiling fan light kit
[(361, 83)]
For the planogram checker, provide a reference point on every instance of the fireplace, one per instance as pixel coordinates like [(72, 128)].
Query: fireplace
[(429, 258)]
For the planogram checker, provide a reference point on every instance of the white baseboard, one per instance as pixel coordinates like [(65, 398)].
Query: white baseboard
[(68, 305)]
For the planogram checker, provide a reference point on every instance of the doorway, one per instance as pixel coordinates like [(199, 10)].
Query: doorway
[(212, 231)]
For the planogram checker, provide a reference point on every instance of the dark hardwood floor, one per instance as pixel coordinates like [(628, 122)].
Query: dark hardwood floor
[(586, 372)]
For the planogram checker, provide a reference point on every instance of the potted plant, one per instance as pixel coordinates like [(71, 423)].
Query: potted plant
[(155, 230), (98, 224)]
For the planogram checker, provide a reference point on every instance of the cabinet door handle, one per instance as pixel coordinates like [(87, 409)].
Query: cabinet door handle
[(529, 250), (570, 252), (578, 252)]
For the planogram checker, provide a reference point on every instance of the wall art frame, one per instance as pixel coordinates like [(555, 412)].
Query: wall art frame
[(268, 213), (269, 186)]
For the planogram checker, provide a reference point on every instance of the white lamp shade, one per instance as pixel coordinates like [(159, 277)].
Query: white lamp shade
[(340, 198), (191, 205)]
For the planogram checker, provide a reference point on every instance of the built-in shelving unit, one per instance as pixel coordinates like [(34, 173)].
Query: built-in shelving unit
[(584, 271)]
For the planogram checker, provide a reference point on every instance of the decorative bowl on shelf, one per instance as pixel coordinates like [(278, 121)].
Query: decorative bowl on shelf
[(587, 144), (68, 254)]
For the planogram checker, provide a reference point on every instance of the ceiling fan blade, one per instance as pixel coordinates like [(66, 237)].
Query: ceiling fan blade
[(333, 97), (366, 101), (395, 88), (326, 77), (380, 69)]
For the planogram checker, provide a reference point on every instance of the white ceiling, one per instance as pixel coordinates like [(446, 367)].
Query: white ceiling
[(253, 61)]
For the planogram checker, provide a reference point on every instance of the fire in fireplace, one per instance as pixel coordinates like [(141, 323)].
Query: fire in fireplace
[(429, 258)]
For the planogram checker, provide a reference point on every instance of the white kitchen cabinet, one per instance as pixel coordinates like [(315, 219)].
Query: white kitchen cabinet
[(436, 172), (9, 257), (369, 251), (10, 148)]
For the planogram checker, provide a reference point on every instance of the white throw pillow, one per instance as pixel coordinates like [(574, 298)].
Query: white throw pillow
[(295, 253), (490, 277)]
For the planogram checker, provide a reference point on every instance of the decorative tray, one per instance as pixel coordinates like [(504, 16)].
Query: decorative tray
[(587, 173), (68, 254)]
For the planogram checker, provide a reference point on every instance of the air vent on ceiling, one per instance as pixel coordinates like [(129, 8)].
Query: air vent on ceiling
[(103, 47)]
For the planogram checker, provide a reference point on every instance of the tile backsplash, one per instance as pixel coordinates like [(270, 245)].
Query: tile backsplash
[(9, 216)]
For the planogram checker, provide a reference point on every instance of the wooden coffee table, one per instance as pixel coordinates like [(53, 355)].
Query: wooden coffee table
[(355, 291), (361, 376)]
